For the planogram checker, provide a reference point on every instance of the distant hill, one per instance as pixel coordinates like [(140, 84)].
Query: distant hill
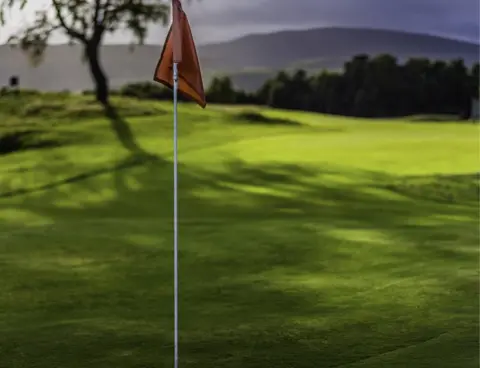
[(325, 48), (249, 60)]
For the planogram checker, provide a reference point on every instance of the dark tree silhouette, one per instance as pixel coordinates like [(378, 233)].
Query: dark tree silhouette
[(221, 91), (378, 87), (86, 22)]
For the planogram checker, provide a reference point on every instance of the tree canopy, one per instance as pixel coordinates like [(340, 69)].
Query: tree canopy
[(85, 22)]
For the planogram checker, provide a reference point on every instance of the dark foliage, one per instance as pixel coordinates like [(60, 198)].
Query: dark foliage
[(367, 87), (147, 90), (378, 87)]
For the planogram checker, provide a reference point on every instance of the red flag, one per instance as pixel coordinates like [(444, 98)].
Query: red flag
[(180, 48)]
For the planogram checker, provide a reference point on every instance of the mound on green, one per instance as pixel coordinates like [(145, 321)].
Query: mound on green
[(325, 243)]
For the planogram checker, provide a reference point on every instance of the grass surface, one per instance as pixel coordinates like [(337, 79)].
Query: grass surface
[(305, 240)]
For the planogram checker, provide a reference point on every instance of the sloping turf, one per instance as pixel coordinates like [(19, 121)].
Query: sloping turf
[(305, 241)]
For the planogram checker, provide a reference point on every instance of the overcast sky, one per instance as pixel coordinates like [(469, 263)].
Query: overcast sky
[(217, 20)]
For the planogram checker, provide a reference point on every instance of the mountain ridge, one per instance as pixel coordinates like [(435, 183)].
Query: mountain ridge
[(249, 59), (373, 29)]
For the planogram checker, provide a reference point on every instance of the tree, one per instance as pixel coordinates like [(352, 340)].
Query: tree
[(475, 80), (262, 95), (384, 77), (279, 94), (355, 73), (221, 90), (86, 22), (414, 79), (301, 90)]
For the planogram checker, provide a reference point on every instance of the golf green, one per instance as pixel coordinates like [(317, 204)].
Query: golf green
[(305, 240)]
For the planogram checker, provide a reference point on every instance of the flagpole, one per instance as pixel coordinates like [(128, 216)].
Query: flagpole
[(179, 36), (175, 208)]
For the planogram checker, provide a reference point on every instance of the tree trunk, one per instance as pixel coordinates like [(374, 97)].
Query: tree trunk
[(92, 52)]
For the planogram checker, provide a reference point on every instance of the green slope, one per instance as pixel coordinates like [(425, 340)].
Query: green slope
[(305, 240)]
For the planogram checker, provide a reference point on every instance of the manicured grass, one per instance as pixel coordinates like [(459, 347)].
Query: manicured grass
[(305, 240)]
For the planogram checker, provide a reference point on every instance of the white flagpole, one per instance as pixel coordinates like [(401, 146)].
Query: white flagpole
[(175, 206), (177, 55)]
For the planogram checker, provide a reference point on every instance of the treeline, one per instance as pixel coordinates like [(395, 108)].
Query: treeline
[(367, 87), (378, 87)]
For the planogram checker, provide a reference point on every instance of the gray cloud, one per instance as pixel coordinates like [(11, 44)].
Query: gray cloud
[(219, 19)]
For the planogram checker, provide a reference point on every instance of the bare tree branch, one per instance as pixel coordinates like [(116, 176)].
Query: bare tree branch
[(96, 13), (69, 30)]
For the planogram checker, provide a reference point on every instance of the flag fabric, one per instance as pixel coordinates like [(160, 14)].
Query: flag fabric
[(180, 48)]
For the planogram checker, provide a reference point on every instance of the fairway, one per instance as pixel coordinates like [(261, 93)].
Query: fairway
[(306, 241)]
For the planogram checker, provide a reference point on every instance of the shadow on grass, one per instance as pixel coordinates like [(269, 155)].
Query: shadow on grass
[(280, 267), (131, 161), (23, 140), (253, 117), (446, 118), (138, 156), (459, 188), (123, 132)]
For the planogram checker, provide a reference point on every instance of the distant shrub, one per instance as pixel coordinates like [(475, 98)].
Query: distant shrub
[(89, 92), (7, 91), (29, 92), (145, 90), (221, 91), (43, 108)]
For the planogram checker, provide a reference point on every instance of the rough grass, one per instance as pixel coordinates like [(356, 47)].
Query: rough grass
[(329, 243), (55, 107)]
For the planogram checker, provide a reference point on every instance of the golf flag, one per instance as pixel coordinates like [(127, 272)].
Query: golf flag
[(180, 48)]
